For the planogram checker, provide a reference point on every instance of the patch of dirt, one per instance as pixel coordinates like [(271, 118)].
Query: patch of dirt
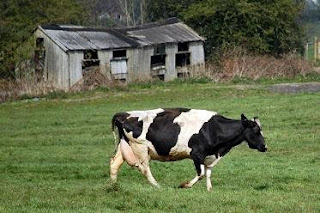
[(296, 87)]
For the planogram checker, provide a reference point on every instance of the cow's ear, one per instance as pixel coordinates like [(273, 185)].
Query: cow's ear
[(244, 120), (256, 119)]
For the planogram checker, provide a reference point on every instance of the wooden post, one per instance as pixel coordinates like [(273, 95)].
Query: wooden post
[(142, 12), (315, 49), (126, 11), (318, 50), (306, 51)]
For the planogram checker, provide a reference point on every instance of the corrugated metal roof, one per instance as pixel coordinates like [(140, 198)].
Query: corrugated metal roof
[(81, 38), (172, 33)]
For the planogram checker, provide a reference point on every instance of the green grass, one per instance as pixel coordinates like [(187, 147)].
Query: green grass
[(54, 153)]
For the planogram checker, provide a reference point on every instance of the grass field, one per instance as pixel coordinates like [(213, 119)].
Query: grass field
[(54, 154)]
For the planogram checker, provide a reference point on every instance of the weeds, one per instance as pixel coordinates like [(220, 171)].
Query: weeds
[(234, 65)]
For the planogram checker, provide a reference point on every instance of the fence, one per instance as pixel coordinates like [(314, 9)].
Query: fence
[(312, 50)]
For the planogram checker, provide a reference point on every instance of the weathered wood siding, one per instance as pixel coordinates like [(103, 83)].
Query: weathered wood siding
[(139, 61), (171, 73), (105, 56), (197, 53)]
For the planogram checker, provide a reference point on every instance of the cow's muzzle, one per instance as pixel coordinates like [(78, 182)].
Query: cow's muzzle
[(263, 148)]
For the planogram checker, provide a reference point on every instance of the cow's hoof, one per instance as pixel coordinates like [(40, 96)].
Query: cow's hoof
[(184, 185)]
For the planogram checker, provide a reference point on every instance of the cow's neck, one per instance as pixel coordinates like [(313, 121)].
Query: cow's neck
[(232, 135)]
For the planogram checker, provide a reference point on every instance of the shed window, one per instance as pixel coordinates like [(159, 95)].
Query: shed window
[(158, 60), (160, 49), (90, 60), (182, 59), (182, 47), (90, 54), (39, 59), (119, 54), (119, 68), (40, 43)]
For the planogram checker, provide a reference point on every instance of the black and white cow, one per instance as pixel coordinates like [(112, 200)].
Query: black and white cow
[(179, 133)]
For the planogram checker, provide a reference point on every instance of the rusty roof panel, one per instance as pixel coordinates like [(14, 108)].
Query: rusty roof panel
[(104, 40), (81, 38), (173, 33), (70, 40)]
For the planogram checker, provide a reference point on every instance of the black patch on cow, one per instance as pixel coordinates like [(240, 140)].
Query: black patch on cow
[(121, 121), (133, 125), (163, 133), (117, 121), (217, 136)]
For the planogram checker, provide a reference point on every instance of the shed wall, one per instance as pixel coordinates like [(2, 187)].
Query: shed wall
[(75, 66), (139, 61), (171, 73), (105, 56), (197, 53)]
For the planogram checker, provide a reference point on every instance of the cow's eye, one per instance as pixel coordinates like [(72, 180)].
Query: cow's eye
[(257, 130)]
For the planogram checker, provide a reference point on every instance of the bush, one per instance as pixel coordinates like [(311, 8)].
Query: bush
[(237, 63)]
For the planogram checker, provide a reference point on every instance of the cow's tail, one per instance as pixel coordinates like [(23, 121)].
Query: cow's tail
[(113, 127), (116, 125)]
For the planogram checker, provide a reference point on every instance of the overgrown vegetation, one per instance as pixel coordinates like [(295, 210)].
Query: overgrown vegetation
[(268, 27), (18, 19), (260, 26), (233, 65), (54, 154)]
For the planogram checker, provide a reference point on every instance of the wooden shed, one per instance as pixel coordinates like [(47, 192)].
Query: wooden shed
[(162, 50)]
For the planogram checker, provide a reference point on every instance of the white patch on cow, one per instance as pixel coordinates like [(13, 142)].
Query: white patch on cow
[(190, 123), (141, 115), (259, 124), (257, 121), (211, 160)]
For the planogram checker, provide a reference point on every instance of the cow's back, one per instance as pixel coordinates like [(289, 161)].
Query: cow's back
[(166, 131), (171, 130)]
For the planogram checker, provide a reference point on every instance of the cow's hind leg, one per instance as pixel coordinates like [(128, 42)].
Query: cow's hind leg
[(145, 169), (141, 151), (115, 164)]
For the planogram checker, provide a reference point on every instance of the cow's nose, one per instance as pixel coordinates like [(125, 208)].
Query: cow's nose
[(265, 149)]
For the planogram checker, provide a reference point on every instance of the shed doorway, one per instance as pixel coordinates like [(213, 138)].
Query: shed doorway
[(39, 60), (118, 63)]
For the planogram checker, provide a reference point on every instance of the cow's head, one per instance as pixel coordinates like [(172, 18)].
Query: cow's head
[(253, 133)]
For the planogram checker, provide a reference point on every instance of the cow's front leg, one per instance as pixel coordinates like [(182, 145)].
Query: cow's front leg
[(210, 162), (198, 161), (141, 151), (199, 176), (208, 178)]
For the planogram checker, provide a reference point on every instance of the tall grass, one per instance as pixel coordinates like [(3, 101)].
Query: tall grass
[(229, 65)]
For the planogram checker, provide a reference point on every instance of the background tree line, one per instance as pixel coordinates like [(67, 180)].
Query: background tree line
[(261, 26)]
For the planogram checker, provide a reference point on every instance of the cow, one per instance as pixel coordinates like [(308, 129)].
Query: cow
[(170, 134)]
